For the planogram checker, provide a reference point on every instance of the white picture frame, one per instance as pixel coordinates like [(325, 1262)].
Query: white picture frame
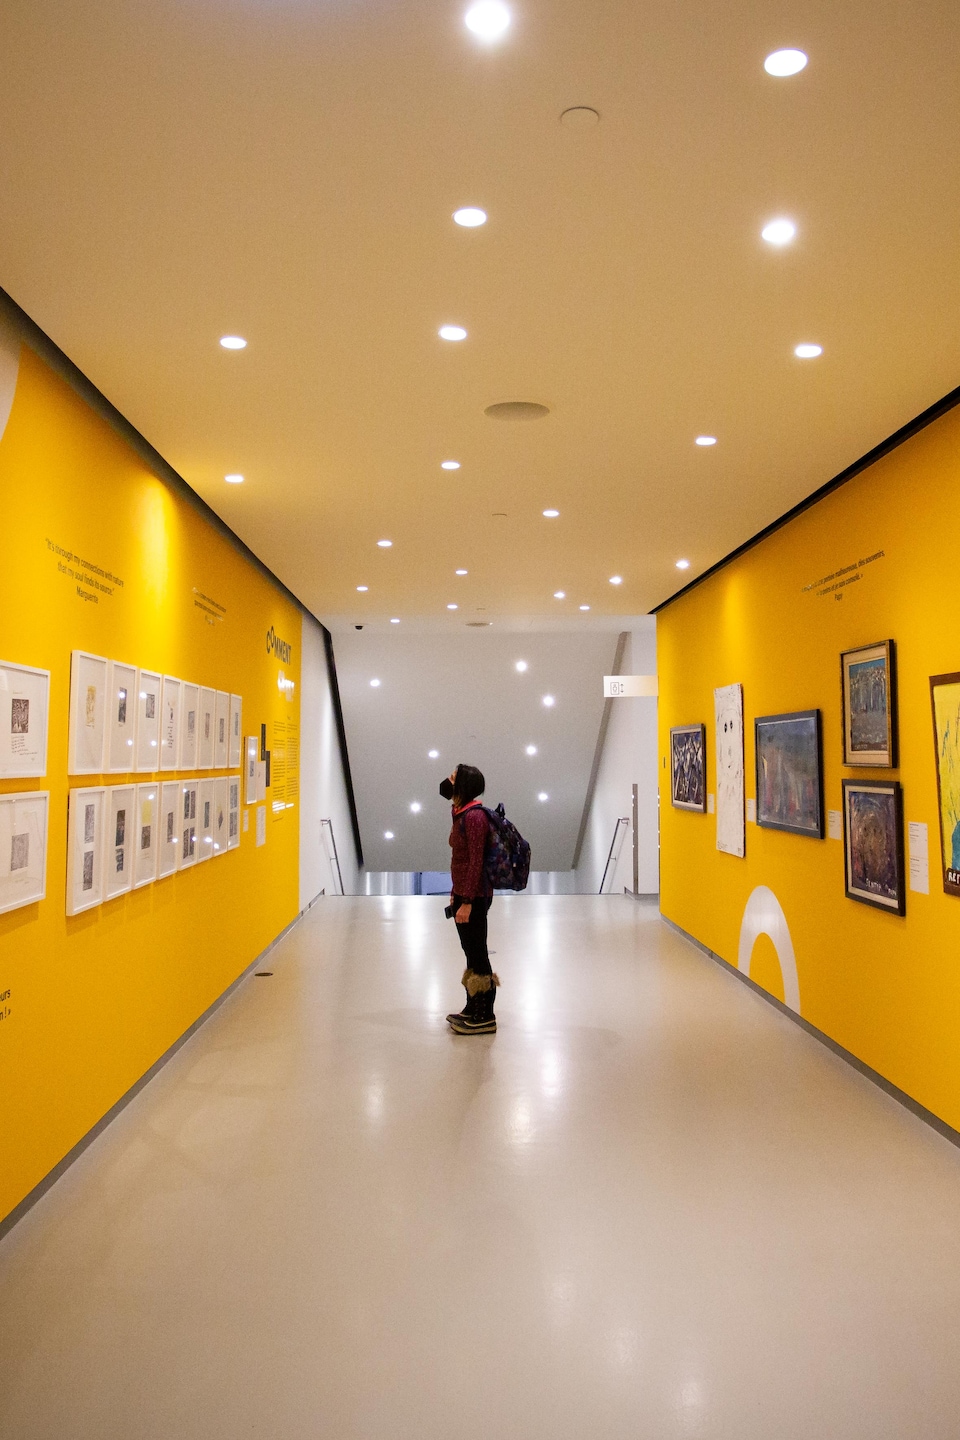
[(145, 841), (233, 811), (24, 719), (85, 819), (208, 720), (187, 824), (88, 711), (728, 750), (251, 749), (221, 791), (221, 751), (205, 819), (149, 684), (120, 724), (118, 842), (236, 731), (23, 848), (171, 695), (169, 832), (189, 725)]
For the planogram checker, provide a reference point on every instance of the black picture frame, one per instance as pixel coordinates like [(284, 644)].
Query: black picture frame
[(945, 705), (788, 756), (873, 854), (876, 751), (688, 767)]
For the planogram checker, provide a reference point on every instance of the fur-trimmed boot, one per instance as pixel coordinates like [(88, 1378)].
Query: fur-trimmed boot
[(482, 1021), (467, 980)]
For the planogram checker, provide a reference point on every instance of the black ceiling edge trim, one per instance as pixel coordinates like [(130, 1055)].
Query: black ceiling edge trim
[(342, 737), (906, 432)]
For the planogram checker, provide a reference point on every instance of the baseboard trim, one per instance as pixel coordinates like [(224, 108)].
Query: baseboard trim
[(49, 1180), (882, 1083)]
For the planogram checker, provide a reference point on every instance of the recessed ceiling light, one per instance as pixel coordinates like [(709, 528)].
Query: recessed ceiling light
[(551, 514), (233, 479), (521, 666), (785, 62), (452, 607), (559, 594), (449, 464), (543, 795), (616, 579), (459, 572), (807, 352), (580, 117), (363, 587), (584, 607), (388, 834), (531, 749), (548, 700), (683, 564), (385, 544), (488, 19), (416, 807), (375, 684), (433, 754), (705, 440), (395, 620), (452, 332), (779, 232), (470, 217), (233, 342)]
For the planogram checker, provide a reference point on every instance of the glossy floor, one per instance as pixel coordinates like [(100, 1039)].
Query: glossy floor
[(650, 1207)]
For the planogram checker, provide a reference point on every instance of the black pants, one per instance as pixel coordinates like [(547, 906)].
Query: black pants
[(473, 935)]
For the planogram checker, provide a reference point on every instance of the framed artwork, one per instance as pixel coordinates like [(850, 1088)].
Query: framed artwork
[(688, 767), (220, 797), (24, 706), (118, 840), (88, 712), (148, 720), (188, 824), (121, 723), (873, 843), (171, 697), (189, 726), (251, 753), (945, 699), (221, 749), (23, 849), (169, 828), (728, 719), (85, 828), (145, 838), (205, 819), (236, 731), (208, 713), (233, 812), (790, 772), (868, 680)]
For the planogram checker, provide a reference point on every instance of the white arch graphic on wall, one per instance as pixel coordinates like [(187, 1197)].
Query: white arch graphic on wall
[(764, 915), (9, 369)]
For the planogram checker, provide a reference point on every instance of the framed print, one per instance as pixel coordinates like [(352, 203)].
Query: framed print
[(236, 731), (220, 796), (88, 712), (148, 720), (144, 840), (688, 767), (873, 843), (945, 699), (118, 840), (868, 683), (189, 791), (85, 822), (731, 820), (790, 772), (221, 749), (233, 812), (23, 849), (169, 829), (205, 819), (189, 726), (208, 715), (24, 706), (121, 722), (171, 695), (251, 752)]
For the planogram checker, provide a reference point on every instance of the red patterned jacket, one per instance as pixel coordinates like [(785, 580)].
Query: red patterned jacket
[(468, 842)]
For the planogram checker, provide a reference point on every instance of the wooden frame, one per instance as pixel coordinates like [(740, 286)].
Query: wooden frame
[(878, 828), (869, 732), (781, 782)]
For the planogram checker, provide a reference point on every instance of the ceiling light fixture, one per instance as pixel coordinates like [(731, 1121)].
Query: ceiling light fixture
[(543, 795), (531, 749), (470, 217), (233, 342), (488, 19), (388, 834), (551, 514), (416, 807), (616, 579), (233, 479), (362, 588), (683, 564), (522, 666), (452, 332), (395, 620), (705, 440), (807, 352), (385, 544), (449, 464), (459, 572), (453, 607), (559, 594), (785, 62), (433, 754), (584, 607), (375, 684), (779, 232), (549, 701)]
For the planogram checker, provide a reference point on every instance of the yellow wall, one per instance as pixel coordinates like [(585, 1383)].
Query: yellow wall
[(886, 988), (96, 999)]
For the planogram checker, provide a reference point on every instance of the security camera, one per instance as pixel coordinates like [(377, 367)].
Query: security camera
[(358, 627)]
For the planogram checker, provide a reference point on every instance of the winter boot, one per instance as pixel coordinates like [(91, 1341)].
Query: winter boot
[(483, 1020), (467, 980)]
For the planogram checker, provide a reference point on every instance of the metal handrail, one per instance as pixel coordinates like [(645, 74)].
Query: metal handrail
[(333, 841), (624, 820)]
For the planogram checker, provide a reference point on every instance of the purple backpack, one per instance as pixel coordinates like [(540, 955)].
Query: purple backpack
[(506, 863)]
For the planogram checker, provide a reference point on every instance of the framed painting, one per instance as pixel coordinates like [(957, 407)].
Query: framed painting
[(189, 726), (188, 824), (148, 720), (146, 834), (23, 849), (221, 739), (205, 745), (873, 843), (24, 703), (168, 837), (88, 713), (236, 730), (220, 806), (790, 772), (85, 829), (868, 682), (731, 817), (118, 840), (945, 699), (205, 798), (233, 809), (121, 718), (170, 705), (688, 767)]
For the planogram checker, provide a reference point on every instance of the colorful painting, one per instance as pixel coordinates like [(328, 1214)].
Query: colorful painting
[(688, 767), (789, 786), (873, 843), (728, 718), (868, 683), (945, 696)]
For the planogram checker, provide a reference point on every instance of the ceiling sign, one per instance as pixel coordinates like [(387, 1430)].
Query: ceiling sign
[(619, 687)]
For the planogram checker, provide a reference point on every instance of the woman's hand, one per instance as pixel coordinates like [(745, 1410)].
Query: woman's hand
[(462, 916)]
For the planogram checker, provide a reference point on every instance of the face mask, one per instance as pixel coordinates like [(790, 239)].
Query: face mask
[(446, 788)]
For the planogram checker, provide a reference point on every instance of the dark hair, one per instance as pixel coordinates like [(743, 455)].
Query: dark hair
[(468, 784)]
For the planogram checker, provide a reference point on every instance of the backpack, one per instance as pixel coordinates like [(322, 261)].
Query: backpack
[(506, 863)]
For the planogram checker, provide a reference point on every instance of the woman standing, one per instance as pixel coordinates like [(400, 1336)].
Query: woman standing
[(470, 899)]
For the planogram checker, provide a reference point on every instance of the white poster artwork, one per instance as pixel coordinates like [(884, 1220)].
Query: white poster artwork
[(220, 796), (148, 720), (208, 716), (261, 824), (205, 820), (24, 705), (233, 812), (88, 711), (189, 726), (85, 818), (169, 830), (171, 695), (221, 749), (187, 823), (121, 723), (251, 751), (23, 849), (118, 846), (145, 838), (728, 714), (236, 731)]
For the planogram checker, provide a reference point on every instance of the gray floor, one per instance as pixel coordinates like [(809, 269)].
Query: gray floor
[(649, 1207)]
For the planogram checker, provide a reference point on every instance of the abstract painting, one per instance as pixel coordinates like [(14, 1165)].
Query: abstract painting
[(873, 843), (945, 696), (869, 691), (728, 717), (789, 787), (688, 771)]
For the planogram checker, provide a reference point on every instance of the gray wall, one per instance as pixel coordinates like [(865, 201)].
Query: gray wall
[(323, 791)]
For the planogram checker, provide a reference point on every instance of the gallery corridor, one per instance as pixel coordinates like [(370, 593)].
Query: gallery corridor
[(650, 1207)]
